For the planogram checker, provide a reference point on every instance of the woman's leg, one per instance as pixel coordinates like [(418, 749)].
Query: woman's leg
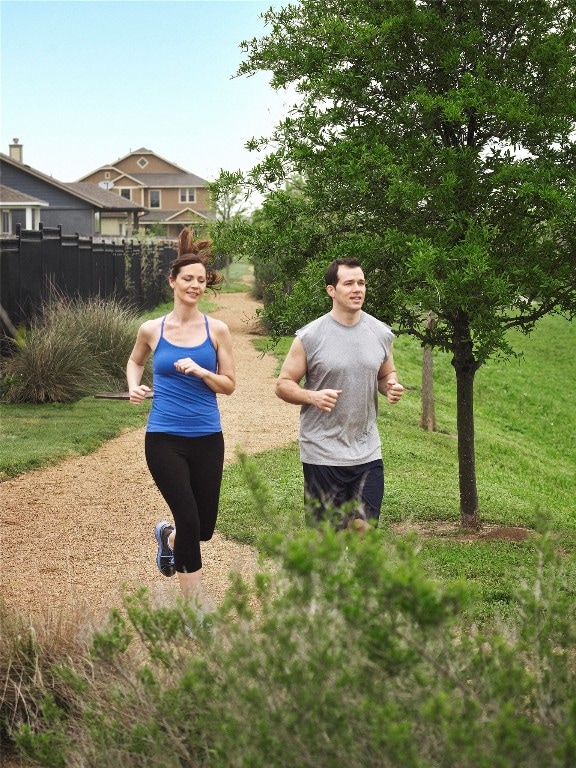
[(206, 468), (188, 473), (168, 461)]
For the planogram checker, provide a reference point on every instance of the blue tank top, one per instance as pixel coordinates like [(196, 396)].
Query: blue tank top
[(183, 405)]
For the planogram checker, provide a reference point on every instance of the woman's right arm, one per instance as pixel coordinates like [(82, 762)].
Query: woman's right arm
[(136, 363)]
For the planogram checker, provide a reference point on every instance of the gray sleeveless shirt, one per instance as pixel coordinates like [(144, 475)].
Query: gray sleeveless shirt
[(346, 357)]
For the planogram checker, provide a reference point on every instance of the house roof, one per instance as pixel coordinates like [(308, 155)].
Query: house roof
[(165, 217), (144, 151), (15, 199), (175, 179), (106, 200), (183, 179), (90, 193)]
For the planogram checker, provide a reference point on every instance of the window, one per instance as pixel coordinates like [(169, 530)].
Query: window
[(154, 198), (187, 195), (6, 222), (142, 162), (126, 193), (106, 174)]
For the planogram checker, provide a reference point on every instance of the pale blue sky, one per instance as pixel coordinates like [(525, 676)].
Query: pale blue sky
[(83, 83)]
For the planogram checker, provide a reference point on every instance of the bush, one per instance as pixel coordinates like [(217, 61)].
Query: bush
[(342, 653), (72, 349)]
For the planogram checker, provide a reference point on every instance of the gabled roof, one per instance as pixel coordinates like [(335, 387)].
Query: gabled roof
[(170, 179), (146, 178), (90, 193), (120, 175), (15, 199), (185, 214), (144, 151), (107, 200)]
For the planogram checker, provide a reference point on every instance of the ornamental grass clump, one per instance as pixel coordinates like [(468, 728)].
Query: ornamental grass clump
[(72, 348)]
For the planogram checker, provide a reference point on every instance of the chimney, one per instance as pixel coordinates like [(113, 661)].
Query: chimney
[(16, 151)]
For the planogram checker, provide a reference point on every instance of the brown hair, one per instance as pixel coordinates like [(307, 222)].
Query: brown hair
[(192, 251), (331, 275)]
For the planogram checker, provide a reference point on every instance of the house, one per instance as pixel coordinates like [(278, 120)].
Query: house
[(174, 197), (79, 208), (18, 208)]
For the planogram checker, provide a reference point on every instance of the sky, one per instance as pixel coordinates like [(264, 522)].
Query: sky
[(85, 82)]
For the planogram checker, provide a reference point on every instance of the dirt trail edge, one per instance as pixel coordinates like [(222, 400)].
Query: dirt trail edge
[(74, 535)]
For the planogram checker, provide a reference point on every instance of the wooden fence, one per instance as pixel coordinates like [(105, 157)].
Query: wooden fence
[(35, 262)]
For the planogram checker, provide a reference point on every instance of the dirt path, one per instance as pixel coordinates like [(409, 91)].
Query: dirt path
[(74, 534)]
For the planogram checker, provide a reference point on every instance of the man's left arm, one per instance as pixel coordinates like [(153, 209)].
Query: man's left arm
[(388, 384)]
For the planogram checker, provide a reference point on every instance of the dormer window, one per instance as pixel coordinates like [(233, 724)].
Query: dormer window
[(142, 162)]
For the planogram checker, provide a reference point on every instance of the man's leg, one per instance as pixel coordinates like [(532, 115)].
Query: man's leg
[(368, 488), (325, 491)]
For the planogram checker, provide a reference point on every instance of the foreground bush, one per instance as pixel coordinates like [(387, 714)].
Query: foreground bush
[(342, 654), (73, 348)]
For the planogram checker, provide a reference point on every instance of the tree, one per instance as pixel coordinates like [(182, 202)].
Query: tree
[(436, 138), (229, 202)]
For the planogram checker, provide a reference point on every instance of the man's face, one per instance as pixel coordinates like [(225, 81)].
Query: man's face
[(350, 290)]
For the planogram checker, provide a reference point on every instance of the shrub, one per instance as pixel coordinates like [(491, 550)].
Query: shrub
[(73, 348), (342, 653)]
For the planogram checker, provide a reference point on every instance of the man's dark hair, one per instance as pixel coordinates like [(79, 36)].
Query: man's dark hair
[(331, 275)]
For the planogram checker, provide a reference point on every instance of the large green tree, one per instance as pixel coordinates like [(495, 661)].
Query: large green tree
[(437, 142)]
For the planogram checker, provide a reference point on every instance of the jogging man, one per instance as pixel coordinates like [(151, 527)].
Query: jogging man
[(344, 359)]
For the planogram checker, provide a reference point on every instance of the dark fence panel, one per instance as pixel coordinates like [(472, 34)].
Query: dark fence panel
[(37, 261), (84, 258), (69, 265), (31, 283)]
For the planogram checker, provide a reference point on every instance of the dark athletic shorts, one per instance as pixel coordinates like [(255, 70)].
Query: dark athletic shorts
[(359, 488)]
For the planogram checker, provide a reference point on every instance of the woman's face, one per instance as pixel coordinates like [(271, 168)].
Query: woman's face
[(190, 283)]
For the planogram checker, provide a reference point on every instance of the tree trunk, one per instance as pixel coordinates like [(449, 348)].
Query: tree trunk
[(428, 414), (466, 366)]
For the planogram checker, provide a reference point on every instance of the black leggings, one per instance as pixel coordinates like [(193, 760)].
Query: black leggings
[(188, 474)]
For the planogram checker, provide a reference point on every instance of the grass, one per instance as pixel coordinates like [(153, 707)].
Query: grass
[(33, 436), (525, 448), (525, 432)]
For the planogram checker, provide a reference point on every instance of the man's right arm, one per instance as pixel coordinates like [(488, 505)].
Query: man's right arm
[(288, 383)]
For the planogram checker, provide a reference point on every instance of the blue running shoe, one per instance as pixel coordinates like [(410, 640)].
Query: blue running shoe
[(165, 556)]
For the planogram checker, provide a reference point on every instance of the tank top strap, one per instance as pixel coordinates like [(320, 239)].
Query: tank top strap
[(162, 327), (208, 331)]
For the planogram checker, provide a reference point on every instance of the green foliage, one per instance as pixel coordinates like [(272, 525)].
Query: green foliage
[(437, 143), (435, 146), (341, 652), (73, 348)]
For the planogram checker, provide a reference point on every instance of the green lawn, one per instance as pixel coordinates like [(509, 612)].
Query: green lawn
[(525, 424)]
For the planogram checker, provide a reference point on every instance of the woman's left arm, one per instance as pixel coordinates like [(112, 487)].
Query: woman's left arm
[(226, 374)]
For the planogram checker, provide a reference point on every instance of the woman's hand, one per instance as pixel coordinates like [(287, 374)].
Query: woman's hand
[(138, 394), (188, 366)]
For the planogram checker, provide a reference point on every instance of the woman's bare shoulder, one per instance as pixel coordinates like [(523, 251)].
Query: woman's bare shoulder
[(217, 326), (150, 327)]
